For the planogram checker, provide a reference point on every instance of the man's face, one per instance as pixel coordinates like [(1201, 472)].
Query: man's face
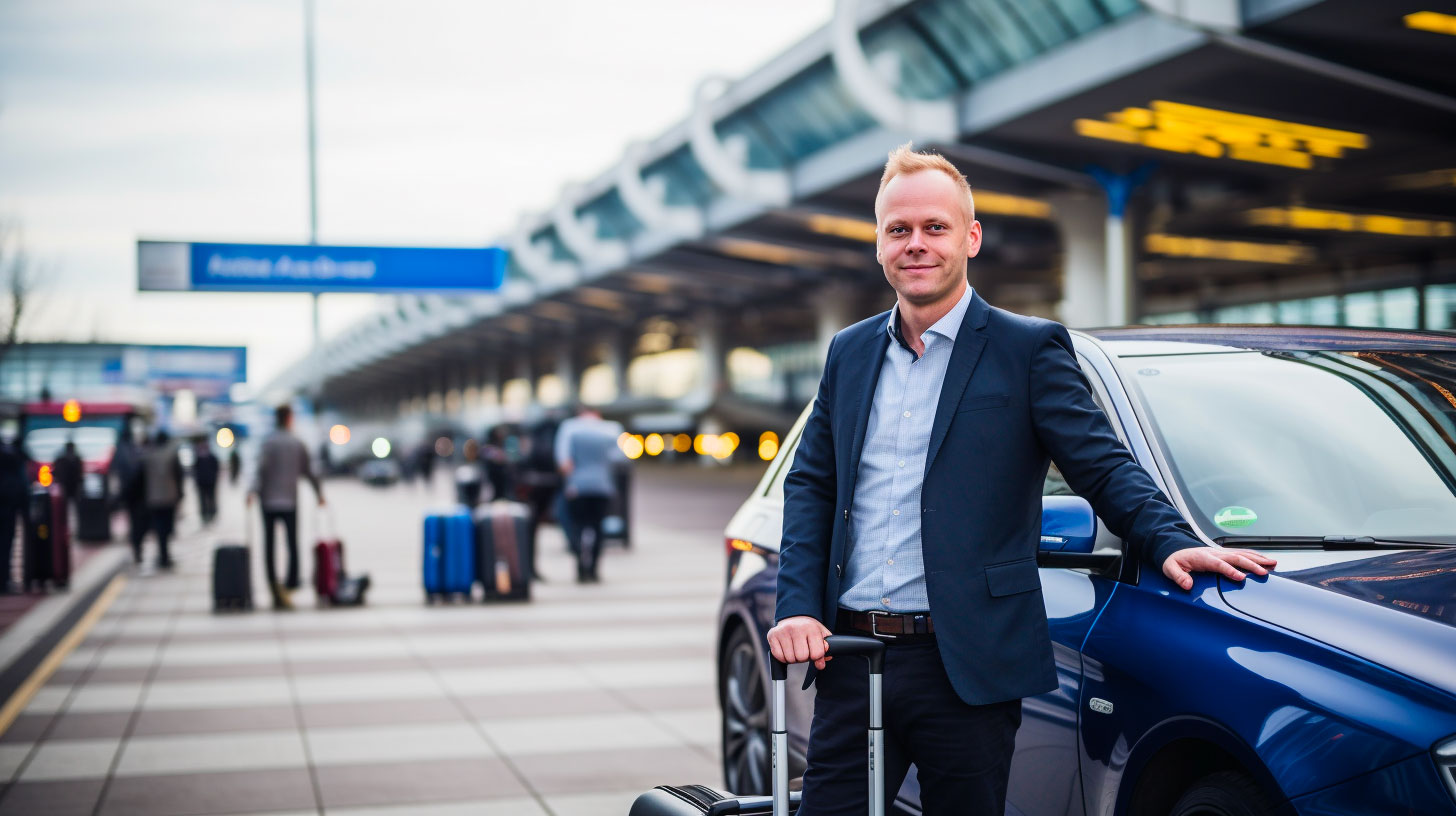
[(922, 238)]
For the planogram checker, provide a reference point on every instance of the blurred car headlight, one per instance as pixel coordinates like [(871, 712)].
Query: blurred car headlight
[(1445, 754)]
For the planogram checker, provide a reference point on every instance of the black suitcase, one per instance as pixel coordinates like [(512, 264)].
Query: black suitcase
[(232, 577), (503, 547), (700, 800), (47, 552)]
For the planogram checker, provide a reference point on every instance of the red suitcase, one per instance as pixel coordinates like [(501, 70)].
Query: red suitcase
[(328, 569)]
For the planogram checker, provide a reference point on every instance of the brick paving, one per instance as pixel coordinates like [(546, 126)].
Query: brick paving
[(568, 705)]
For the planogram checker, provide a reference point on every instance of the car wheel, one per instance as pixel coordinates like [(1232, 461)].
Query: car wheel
[(1226, 793), (745, 704)]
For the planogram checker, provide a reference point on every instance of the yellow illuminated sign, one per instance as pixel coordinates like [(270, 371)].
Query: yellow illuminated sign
[(1183, 246), (44, 476), (1432, 21), (1311, 219), (71, 411), (1213, 133)]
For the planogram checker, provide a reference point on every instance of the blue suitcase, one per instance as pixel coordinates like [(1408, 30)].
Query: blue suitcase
[(449, 562)]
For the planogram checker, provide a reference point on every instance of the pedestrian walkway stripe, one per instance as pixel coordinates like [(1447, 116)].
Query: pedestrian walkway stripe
[(68, 644)]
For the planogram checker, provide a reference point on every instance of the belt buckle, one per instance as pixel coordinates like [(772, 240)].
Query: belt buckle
[(874, 630)]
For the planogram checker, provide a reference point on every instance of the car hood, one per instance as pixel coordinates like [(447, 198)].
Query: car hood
[(1395, 609)]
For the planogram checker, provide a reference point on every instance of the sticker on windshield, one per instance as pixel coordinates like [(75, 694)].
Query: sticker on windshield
[(1233, 517)]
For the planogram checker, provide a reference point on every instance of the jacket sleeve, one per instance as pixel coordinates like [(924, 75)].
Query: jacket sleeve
[(809, 496), (1079, 438)]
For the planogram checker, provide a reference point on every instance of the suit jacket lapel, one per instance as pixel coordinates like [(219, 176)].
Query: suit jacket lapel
[(869, 357), (970, 342)]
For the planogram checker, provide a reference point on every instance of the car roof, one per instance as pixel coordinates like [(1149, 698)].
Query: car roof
[(1154, 340)]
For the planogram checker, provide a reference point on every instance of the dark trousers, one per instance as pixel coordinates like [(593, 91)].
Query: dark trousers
[(962, 753), (290, 529), (138, 520), (9, 513), (586, 514), (164, 521), (207, 501)]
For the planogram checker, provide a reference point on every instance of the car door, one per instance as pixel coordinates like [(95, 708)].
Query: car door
[(1045, 770)]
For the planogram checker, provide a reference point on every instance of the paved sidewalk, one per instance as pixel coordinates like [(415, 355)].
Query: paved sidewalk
[(571, 704)]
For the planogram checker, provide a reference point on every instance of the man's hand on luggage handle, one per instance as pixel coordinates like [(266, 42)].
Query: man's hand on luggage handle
[(1228, 563), (799, 639)]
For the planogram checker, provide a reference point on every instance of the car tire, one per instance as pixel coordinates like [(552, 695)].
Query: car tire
[(1226, 793), (744, 700)]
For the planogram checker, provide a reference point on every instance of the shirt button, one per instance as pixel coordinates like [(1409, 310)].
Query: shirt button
[(902, 463), (897, 512), (907, 413), (891, 561), (885, 601)]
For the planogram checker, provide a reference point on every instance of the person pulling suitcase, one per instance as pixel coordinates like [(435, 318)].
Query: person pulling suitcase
[(282, 461)]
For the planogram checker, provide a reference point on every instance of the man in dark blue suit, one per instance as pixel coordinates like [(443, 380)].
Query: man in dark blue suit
[(912, 512)]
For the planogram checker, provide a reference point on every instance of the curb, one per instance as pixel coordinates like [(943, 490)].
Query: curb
[(27, 643)]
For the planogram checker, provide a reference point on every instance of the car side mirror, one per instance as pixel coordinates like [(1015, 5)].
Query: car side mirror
[(1068, 525), (1069, 536)]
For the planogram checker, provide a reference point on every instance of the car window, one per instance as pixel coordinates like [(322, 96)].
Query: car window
[(1055, 484), (1309, 444), (772, 486)]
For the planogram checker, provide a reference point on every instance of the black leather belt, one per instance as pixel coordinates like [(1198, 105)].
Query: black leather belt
[(888, 625)]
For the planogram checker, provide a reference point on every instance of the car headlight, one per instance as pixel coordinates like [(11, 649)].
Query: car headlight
[(1445, 754)]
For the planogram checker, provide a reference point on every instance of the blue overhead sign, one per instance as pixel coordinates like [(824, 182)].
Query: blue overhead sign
[(169, 266)]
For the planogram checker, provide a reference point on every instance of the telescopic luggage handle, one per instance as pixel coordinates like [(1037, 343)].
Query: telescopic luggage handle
[(871, 650)]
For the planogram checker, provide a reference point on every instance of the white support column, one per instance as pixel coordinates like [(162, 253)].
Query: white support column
[(1082, 221), (566, 372), (617, 351), (833, 310), (710, 354), (1119, 271)]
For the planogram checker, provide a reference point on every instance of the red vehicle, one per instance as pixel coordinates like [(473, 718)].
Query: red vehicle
[(95, 427)]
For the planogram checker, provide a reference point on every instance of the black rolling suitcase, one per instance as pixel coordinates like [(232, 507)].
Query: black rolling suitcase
[(47, 555), (504, 542), (699, 800), (232, 572)]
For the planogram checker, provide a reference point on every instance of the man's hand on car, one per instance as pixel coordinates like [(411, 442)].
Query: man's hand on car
[(799, 639), (1228, 563)]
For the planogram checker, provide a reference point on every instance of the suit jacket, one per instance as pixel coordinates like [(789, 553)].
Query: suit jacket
[(1013, 399)]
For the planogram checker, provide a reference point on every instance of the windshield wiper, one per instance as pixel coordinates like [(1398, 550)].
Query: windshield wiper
[(1328, 543)]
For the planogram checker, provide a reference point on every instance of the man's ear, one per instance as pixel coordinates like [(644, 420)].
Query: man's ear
[(973, 239)]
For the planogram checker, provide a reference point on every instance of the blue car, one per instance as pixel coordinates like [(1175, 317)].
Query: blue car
[(1327, 687)]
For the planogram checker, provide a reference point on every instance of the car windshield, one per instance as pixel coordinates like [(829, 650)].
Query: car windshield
[(1308, 443), (92, 442)]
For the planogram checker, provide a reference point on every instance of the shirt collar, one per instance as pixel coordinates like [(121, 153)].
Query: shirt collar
[(947, 326)]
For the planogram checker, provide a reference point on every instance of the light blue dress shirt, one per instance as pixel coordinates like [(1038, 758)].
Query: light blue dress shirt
[(886, 569)]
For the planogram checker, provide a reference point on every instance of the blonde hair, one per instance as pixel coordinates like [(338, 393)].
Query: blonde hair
[(904, 161)]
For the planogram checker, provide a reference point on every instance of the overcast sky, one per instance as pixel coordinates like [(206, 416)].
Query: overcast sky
[(439, 123)]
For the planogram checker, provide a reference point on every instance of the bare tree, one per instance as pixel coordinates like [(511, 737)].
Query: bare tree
[(17, 282)]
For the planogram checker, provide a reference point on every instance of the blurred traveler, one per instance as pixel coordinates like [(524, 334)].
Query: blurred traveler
[(469, 474), (425, 463), (204, 472), (68, 470), (129, 467), (587, 453), (235, 465), (14, 488), (497, 463), (282, 461), (541, 479), (162, 471)]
